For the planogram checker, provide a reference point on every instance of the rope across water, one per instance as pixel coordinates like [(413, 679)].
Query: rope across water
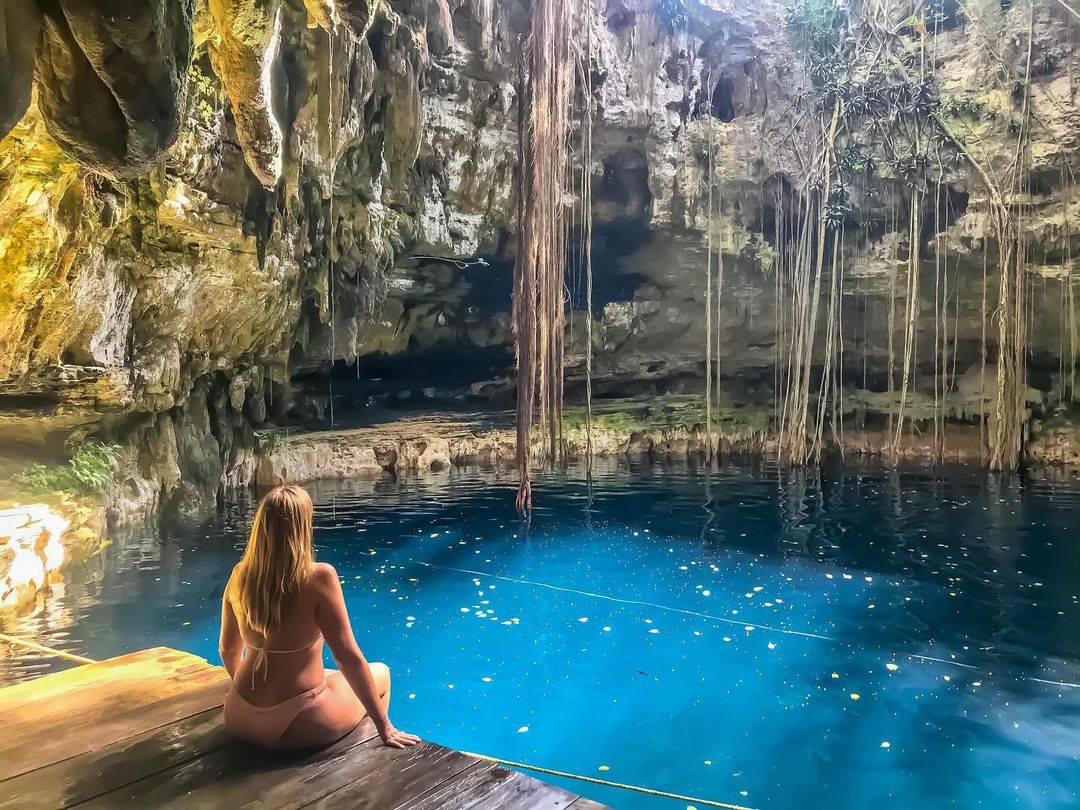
[(81, 659), (33, 645), (608, 783)]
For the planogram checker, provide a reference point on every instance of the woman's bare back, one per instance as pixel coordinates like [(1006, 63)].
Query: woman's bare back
[(294, 652)]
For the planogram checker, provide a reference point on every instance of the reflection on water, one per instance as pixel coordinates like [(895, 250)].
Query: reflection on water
[(768, 637)]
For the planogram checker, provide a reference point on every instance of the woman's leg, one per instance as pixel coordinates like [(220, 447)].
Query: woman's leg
[(334, 712)]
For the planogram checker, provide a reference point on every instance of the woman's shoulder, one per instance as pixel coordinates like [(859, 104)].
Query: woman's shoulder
[(229, 591), (322, 575)]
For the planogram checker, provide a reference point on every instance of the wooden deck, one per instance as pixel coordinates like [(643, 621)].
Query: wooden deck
[(145, 730)]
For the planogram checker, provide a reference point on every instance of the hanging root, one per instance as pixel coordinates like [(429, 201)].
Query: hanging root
[(540, 269)]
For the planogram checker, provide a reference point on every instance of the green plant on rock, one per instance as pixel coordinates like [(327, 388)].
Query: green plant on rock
[(673, 12), (204, 96), (89, 471), (818, 27), (762, 253)]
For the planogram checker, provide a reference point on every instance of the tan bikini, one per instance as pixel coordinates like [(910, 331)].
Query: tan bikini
[(265, 725)]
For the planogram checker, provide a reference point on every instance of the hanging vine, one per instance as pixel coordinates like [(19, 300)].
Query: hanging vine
[(539, 272), (874, 101)]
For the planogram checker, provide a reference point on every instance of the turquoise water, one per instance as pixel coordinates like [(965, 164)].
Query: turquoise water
[(770, 638)]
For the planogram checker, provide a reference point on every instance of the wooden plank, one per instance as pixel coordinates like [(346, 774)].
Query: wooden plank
[(492, 787), (387, 777), (97, 701), (121, 718), (111, 767), (103, 699), (70, 714), (154, 663), (146, 730), (239, 776)]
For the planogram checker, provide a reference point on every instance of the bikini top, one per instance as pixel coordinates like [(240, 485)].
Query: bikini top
[(262, 660)]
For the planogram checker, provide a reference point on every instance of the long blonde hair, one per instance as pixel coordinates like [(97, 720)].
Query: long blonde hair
[(278, 558)]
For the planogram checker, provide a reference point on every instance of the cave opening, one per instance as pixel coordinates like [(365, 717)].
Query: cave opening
[(722, 104), (943, 209)]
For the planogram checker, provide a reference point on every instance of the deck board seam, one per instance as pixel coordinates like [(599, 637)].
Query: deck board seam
[(135, 733), (347, 785), (393, 779), (213, 750), (171, 767)]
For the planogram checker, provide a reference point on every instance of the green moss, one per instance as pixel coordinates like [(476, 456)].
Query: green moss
[(673, 413), (89, 471), (761, 253)]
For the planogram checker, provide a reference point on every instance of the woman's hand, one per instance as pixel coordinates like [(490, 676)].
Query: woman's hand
[(392, 738)]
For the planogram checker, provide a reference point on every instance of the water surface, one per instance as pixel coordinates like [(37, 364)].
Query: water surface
[(770, 638)]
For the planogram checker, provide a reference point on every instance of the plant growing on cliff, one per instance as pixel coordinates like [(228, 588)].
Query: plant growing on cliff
[(204, 97), (89, 471), (673, 13), (761, 253)]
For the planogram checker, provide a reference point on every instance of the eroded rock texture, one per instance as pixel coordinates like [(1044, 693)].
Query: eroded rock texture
[(112, 79), (333, 226), (169, 312), (243, 53), (19, 22)]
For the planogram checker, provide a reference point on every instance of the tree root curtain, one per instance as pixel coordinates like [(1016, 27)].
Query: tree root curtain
[(544, 118)]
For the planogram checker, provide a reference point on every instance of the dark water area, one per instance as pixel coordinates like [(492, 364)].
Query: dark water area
[(771, 638)]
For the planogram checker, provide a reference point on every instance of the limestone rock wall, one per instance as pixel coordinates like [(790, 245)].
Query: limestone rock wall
[(656, 123), (162, 294), (206, 205)]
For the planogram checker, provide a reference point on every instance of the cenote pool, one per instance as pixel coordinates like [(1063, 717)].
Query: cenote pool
[(848, 638)]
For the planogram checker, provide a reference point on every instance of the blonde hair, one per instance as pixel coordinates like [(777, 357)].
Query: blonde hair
[(278, 558)]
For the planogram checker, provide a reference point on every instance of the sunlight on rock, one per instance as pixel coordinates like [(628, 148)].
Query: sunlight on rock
[(31, 549)]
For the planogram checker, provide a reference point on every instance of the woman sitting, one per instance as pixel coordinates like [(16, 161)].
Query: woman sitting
[(279, 607)]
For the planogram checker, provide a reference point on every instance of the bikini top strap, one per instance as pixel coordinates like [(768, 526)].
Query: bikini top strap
[(314, 641), (263, 650), (262, 657)]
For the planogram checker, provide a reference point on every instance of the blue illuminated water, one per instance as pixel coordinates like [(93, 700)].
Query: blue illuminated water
[(776, 639)]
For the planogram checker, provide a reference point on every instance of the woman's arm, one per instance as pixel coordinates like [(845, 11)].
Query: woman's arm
[(333, 619), (231, 643)]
